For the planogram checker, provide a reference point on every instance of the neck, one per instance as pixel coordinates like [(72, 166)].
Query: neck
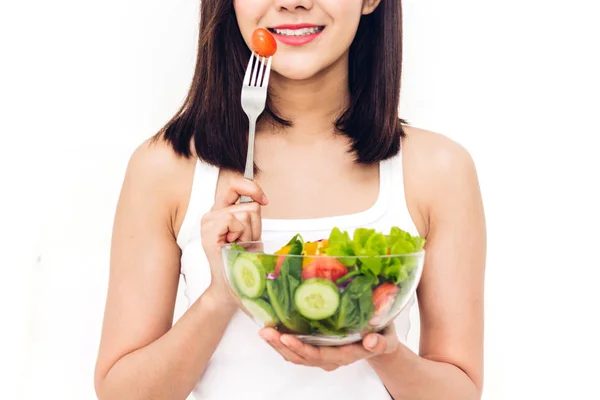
[(314, 104)]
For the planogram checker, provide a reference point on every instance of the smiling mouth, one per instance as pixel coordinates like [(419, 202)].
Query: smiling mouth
[(297, 32)]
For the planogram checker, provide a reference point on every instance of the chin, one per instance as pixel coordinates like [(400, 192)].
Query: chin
[(296, 70), (305, 65), (295, 74)]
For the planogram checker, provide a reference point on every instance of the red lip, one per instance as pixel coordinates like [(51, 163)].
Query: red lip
[(296, 40)]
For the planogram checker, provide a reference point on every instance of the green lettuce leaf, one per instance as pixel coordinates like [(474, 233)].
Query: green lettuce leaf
[(399, 268), (402, 242), (368, 245), (340, 245)]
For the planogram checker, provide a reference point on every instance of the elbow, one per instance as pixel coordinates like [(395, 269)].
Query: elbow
[(102, 383), (479, 389), (99, 387), (473, 376), (476, 379)]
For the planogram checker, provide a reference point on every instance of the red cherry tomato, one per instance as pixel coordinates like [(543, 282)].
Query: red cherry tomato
[(383, 297), (324, 267), (263, 43)]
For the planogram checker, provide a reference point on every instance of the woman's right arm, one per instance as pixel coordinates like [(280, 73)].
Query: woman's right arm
[(141, 355)]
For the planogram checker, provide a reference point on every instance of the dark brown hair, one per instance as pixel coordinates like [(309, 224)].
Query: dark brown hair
[(212, 115)]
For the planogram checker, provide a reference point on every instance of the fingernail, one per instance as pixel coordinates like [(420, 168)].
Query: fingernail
[(371, 342), (285, 340), (264, 199)]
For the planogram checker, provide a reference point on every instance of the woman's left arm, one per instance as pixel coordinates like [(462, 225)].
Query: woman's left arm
[(451, 292), (450, 361)]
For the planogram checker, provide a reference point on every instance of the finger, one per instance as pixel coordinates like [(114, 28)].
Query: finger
[(256, 223), (232, 229), (215, 224), (236, 187), (246, 221), (272, 337), (310, 353), (375, 343), (219, 227), (241, 207), (344, 355), (287, 355), (391, 338)]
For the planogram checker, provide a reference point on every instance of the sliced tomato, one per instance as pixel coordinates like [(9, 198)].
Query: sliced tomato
[(279, 264), (263, 42), (383, 297), (324, 267), (284, 250)]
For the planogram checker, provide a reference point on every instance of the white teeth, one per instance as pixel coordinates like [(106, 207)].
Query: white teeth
[(297, 32)]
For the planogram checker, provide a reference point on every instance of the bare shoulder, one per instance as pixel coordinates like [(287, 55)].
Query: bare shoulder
[(435, 155), (437, 169), (155, 169)]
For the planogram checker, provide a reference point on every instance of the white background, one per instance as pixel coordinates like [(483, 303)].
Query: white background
[(83, 83)]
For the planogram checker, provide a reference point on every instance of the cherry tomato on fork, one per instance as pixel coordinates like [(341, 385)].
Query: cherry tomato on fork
[(263, 43)]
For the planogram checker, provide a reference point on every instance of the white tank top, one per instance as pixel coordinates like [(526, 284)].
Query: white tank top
[(245, 367)]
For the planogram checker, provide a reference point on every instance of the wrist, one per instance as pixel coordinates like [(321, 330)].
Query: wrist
[(215, 302)]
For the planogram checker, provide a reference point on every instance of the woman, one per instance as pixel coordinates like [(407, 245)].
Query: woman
[(331, 151)]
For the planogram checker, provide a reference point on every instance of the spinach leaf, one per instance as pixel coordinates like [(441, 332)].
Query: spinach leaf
[(281, 290), (356, 305), (325, 328), (269, 262)]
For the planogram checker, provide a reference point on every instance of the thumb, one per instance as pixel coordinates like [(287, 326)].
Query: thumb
[(375, 343)]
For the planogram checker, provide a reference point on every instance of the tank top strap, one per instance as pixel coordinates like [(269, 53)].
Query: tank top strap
[(201, 200), (399, 209), (397, 177)]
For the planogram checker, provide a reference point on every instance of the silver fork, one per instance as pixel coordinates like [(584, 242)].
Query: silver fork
[(254, 97)]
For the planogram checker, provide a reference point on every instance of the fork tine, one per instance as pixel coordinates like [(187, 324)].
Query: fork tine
[(268, 73), (261, 71), (248, 76), (256, 71)]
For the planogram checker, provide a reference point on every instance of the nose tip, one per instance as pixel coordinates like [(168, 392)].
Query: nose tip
[(291, 5)]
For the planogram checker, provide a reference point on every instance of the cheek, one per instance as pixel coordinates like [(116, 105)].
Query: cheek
[(346, 17), (248, 14), (341, 10)]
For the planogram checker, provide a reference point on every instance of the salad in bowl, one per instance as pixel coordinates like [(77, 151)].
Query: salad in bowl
[(328, 292)]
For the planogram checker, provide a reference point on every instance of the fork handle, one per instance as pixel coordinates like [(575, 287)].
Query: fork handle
[(249, 171), (245, 199)]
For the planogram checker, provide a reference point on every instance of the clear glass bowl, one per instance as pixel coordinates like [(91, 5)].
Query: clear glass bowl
[(322, 300)]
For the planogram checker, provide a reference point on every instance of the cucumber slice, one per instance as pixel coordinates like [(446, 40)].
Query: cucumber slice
[(280, 301), (317, 298), (249, 275), (261, 311)]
